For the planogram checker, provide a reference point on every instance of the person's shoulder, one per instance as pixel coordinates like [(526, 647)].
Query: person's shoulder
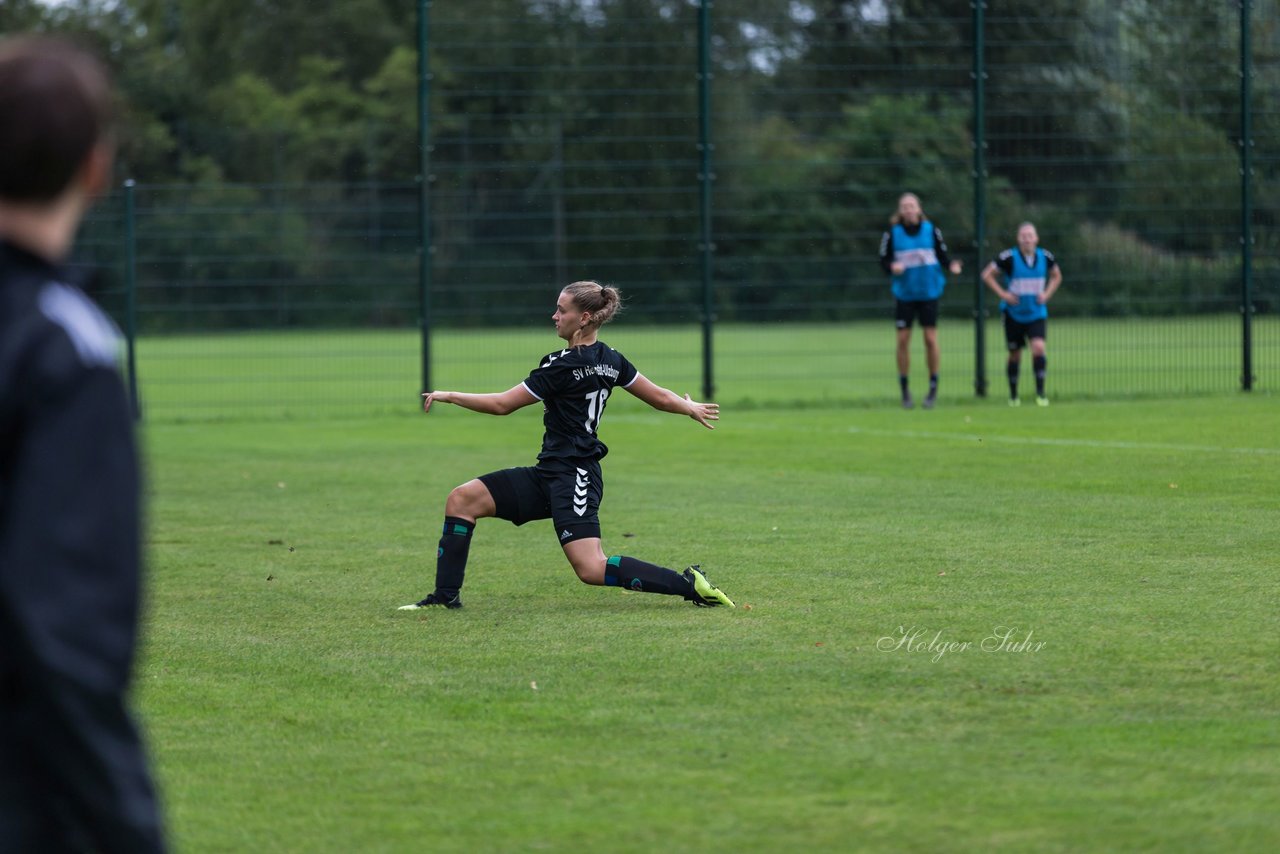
[(553, 357), (1006, 255), (1048, 256), (92, 334), (57, 338), (610, 352)]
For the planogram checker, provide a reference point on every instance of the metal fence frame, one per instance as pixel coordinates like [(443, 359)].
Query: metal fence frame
[(701, 67), (706, 180)]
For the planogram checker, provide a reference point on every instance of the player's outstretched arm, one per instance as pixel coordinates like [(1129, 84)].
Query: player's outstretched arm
[(498, 403), (668, 401)]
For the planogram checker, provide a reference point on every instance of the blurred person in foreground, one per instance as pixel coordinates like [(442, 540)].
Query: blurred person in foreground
[(73, 774), (914, 253)]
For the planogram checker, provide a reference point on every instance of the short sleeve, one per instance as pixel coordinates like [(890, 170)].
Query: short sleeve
[(548, 379), (1004, 261), (627, 372), (1049, 261)]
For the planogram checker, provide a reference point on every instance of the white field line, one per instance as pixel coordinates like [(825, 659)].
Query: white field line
[(1103, 444), (1116, 445)]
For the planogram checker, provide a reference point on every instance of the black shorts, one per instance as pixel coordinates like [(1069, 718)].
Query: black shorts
[(905, 313), (567, 492), (1017, 334)]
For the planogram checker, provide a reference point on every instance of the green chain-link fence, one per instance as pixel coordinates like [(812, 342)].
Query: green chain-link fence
[(568, 145)]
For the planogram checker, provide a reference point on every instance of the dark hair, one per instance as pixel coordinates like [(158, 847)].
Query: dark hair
[(55, 106), (603, 301)]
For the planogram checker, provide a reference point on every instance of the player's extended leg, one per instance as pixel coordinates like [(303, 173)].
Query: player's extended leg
[(904, 364), (934, 359), (588, 560), (466, 504), (1039, 363)]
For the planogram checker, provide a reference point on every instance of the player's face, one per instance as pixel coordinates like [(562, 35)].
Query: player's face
[(1028, 240), (568, 318), (909, 210)]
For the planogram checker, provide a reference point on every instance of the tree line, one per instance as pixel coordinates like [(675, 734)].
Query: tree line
[(564, 137)]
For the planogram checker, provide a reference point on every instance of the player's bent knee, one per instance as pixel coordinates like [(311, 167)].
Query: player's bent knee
[(470, 500), (589, 571)]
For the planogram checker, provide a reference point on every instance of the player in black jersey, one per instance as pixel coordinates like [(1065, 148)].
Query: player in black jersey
[(573, 384)]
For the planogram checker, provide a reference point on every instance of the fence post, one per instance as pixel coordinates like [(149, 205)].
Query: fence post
[(425, 249), (705, 179), (979, 199), (1246, 200), (131, 294)]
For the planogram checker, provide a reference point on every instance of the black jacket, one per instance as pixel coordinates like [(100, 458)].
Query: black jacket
[(73, 775)]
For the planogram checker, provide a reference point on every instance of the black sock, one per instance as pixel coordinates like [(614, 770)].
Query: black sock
[(933, 385), (632, 574), (1038, 364), (902, 381), (1012, 370), (451, 556)]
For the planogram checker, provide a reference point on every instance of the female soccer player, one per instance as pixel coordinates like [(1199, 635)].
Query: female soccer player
[(1033, 277), (913, 252), (565, 486)]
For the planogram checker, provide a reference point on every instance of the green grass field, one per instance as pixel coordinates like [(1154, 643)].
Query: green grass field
[(309, 374), (1127, 549)]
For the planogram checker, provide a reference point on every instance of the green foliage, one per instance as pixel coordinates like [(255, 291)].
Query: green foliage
[(892, 145), (318, 131), (18, 16), (1136, 277), (1174, 158), (563, 135), (780, 219)]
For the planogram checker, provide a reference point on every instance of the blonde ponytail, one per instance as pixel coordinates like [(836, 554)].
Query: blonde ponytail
[(602, 301)]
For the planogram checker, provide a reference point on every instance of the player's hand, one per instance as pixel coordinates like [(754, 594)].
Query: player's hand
[(703, 412), (897, 268), (1041, 299), (430, 397), (956, 267), (1008, 297)]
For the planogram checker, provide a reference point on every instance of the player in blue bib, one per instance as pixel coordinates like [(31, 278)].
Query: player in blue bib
[(566, 486), (1031, 277), (913, 252)]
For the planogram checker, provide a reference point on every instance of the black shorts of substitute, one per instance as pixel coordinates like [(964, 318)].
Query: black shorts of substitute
[(1017, 334), (905, 312), (567, 492)]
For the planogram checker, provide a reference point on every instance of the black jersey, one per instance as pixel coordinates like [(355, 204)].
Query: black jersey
[(70, 758), (573, 386)]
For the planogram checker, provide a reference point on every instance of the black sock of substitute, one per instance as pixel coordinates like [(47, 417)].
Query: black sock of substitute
[(933, 385), (902, 381), (451, 556), (1038, 364), (1012, 370), (631, 574)]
